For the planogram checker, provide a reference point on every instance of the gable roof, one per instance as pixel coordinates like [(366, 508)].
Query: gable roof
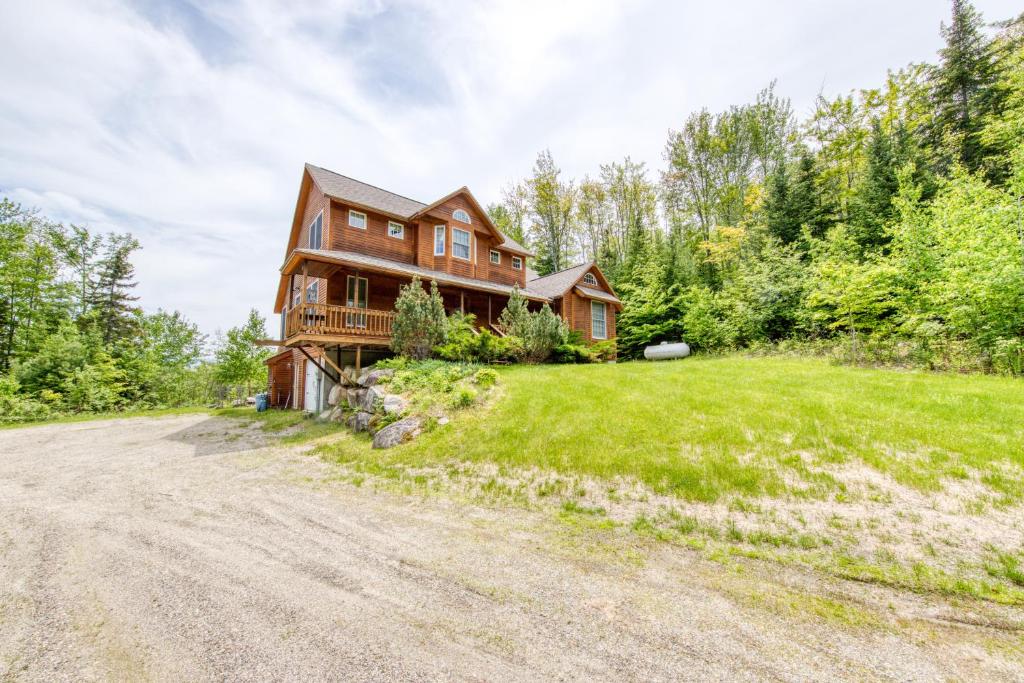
[(506, 243), (357, 192), (558, 283)]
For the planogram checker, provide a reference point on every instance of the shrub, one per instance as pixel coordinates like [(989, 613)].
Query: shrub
[(573, 353), (604, 350), (485, 378), (420, 323), (15, 407), (462, 397)]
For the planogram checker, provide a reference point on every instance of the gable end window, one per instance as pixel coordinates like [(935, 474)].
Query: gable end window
[(589, 279), (316, 232), (495, 257), (598, 325), (396, 230), (439, 240), (357, 219), (517, 263), (460, 243), (461, 215)]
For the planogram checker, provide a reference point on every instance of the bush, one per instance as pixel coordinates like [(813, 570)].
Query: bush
[(573, 353), (15, 407), (485, 378), (420, 323), (605, 350)]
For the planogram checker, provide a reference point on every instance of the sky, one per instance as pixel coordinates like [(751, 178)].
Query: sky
[(187, 124)]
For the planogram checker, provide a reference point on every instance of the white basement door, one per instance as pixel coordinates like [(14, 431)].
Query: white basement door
[(312, 398)]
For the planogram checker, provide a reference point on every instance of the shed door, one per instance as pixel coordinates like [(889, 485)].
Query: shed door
[(312, 398)]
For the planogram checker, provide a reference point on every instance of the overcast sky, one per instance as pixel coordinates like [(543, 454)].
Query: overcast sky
[(188, 124)]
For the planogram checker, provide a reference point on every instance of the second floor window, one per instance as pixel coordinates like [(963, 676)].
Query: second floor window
[(461, 215), (439, 240), (357, 219), (495, 256), (589, 279), (396, 230), (460, 243), (517, 263), (313, 292), (316, 232)]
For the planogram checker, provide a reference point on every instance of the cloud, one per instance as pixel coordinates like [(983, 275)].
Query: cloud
[(187, 123)]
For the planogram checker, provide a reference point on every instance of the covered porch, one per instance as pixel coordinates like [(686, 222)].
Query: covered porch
[(352, 302)]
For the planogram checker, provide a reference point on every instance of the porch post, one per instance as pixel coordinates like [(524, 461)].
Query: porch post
[(302, 294), (488, 309), (359, 354), (462, 301)]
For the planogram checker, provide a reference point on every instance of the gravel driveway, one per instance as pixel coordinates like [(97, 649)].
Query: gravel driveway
[(191, 548)]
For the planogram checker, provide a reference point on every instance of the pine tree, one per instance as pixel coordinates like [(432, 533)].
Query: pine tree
[(420, 323), (797, 202), (962, 86), (111, 300)]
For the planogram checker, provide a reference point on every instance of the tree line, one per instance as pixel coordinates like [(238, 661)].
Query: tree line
[(885, 226), (74, 339)]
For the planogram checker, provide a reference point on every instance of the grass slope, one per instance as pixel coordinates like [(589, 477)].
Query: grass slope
[(707, 427)]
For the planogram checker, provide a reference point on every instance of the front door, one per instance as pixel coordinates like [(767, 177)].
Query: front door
[(311, 402), (357, 291)]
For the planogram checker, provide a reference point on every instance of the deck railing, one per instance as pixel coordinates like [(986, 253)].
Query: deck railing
[(338, 320)]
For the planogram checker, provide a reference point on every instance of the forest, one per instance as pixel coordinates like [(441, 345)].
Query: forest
[(73, 338), (885, 227)]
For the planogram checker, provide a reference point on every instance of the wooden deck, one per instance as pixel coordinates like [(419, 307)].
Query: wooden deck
[(323, 323)]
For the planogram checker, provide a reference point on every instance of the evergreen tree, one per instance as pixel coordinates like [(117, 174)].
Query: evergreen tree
[(797, 202), (111, 299), (420, 322), (962, 87)]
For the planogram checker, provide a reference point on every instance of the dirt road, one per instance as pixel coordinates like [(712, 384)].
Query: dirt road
[(191, 548)]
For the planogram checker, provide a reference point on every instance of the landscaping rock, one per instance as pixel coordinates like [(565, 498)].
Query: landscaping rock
[(394, 404), (368, 379), (326, 415), (443, 420), (335, 395), (370, 398), (338, 414), (349, 375), (395, 433), (359, 422), (354, 397)]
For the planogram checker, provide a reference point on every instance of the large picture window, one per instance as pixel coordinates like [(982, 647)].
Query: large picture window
[(460, 243), (598, 323), (316, 232)]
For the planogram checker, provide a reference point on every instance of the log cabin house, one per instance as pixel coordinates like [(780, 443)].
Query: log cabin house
[(352, 245)]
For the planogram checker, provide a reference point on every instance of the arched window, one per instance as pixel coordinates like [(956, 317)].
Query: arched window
[(589, 279), (461, 215)]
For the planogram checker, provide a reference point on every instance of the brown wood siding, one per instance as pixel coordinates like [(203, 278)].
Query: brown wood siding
[(374, 240), (577, 314), (280, 380), (599, 286), (483, 241), (316, 202)]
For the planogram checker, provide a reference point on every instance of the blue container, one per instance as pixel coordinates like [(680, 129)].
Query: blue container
[(261, 402)]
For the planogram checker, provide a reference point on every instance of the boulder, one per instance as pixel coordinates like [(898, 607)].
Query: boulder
[(326, 415), (395, 404), (349, 375), (359, 422), (395, 433), (354, 398), (443, 420), (372, 376), (370, 399), (338, 414), (335, 395)]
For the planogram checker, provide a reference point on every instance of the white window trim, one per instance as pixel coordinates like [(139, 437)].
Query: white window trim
[(515, 260), (590, 279), (310, 287), (604, 320), (467, 220), (495, 252), (444, 239), (353, 212), (469, 245), (401, 230)]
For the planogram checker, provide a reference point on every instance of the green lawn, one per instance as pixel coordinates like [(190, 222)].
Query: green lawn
[(703, 428)]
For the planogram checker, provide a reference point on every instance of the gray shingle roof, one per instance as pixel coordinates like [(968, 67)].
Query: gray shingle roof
[(512, 245), (558, 283), (372, 197), (427, 274), (598, 294)]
